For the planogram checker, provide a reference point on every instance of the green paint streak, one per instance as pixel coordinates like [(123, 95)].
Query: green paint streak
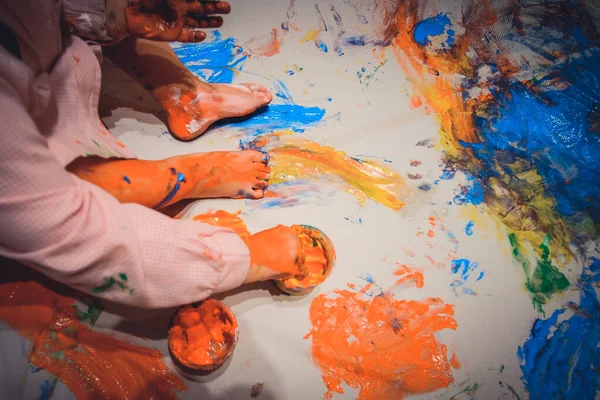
[(469, 390), (512, 390), (110, 282), (502, 368), (545, 280)]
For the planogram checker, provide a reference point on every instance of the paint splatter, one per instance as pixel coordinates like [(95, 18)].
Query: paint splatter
[(296, 160), (175, 188), (469, 228), (559, 360), (257, 389), (407, 274), (384, 347), (91, 364), (468, 272), (111, 283)]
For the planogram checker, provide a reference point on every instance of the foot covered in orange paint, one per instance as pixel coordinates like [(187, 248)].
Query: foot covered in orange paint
[(232, 174), (192, 111), (282, 252)]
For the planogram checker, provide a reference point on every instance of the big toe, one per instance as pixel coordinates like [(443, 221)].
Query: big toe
[(262, 93)]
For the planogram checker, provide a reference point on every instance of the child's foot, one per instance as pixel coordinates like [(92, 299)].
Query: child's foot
[(275, 253), (191, 112), (234, 174)]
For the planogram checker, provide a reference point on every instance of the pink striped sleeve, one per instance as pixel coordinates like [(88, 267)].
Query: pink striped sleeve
[(78, 234)]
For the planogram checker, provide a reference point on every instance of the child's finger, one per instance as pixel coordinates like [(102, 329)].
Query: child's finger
[(204, 21), (209, 7), (188, 35)]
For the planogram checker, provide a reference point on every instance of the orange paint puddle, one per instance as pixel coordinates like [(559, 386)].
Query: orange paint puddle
[(203, 337), (384, 347), (92, 365)]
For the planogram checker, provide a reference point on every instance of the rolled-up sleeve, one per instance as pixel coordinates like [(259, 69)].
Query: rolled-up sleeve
[(78, 234)]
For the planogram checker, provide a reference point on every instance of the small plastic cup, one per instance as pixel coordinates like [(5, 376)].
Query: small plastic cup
[(202, 336), (300, 287)]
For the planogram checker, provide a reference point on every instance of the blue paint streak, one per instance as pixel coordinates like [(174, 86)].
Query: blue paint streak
[(356, 40), (562, 360), (469, 228), (319, 43), (464, 267), (471, 194), (173, 192), (438, 25), (126, 179), (213, 61), (47, 388)]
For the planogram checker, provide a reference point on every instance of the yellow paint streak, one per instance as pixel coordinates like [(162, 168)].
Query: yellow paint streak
[(311, 34)]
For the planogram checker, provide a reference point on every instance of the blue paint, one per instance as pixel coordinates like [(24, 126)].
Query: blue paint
[(472, 193), (552, 131), (595, 270), (126, 179), (217, 61), (320, 45), (47, 388), (425, 187), (448, 173), (435, 26), (173, 192), (469, 228), (356, 40), (465, 270), (290, 72), (329, 98), (561, 360), (277, 117)]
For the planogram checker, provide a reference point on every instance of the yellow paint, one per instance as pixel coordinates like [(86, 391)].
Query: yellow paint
[(311, 34), (295, 158)]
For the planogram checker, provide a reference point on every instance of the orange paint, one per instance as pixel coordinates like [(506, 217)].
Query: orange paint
[(415, 101), (203, 336), (384, 347), (91, 364), (262, 47), (407, 274), (226, 220), (455, 362), (430, 233)]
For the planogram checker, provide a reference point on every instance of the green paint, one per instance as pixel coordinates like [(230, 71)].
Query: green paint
[(469, 390), (90, 316), (512, 390), (502, 368), (96, 143), (110, 282), (58, 355), (545, 279)]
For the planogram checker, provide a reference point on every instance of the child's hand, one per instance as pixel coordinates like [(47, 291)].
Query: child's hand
[(174, 20)]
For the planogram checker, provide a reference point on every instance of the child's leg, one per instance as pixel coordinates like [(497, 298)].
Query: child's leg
[(192, 105), (157, 184)]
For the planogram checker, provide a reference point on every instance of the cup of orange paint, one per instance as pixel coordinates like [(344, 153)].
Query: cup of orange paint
[(319, 261), (202, 336)]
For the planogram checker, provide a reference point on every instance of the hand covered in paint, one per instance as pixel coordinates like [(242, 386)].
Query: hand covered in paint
[(275, 254), (174, 20)]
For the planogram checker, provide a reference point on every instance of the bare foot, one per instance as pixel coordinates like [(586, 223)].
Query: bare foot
[(275, 253), (234, 174), (191, 112)]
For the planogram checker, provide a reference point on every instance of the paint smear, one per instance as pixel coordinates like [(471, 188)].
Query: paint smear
[(384, 347), (225, 220), (310, 35), (467, 273), (542, 280), (297, 159), (559, 360), (92, 365), (264, 46), (407, 274)]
